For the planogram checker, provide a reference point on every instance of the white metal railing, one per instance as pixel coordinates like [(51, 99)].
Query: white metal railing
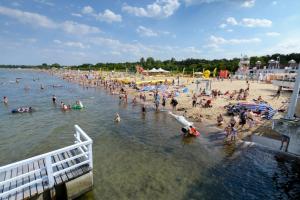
[(45, 173)]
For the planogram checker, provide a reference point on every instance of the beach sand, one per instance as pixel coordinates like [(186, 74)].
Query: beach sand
[(205, 116)]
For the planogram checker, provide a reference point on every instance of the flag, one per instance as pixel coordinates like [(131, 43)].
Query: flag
[(215, 72)]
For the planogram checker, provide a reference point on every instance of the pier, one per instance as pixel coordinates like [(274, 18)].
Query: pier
[(43, 176)]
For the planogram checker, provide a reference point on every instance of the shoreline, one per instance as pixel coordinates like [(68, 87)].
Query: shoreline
[(198, 115)]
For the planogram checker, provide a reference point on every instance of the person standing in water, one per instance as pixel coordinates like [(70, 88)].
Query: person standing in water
[(163, 101), (54, 99), (5, 100), (156, 100), (117, 117)]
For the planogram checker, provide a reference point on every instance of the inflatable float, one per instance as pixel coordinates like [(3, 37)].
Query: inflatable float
[(22, 110), (77, 107)]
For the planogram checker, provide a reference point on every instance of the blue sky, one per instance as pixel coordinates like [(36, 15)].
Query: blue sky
[(86, 31)]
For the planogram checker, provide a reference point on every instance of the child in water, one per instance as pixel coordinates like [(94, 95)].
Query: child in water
[(117, 117)]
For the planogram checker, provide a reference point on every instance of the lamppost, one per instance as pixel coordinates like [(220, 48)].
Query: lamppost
[(294, 98)]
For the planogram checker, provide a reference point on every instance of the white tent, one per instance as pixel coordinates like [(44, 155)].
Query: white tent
[(153, 70), (162, 70)]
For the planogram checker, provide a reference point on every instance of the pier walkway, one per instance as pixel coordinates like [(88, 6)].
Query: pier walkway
[(29, 178)]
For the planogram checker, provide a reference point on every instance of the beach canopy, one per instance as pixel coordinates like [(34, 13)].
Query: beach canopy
[(162, 70), (198, 73), (153, 70)]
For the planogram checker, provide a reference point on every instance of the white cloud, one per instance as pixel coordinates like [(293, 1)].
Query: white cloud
[(87, 10), (215, 41), (76, 44), (45, 2), (77, 28), (248, 3), (71, 44), (249, 22), (286, 46), (38, 20), (143, 31), (57, 41), (109, 16), (252, 22), (231, 21), (272, 34), (76, 14), (197, 2), (28, 17), (135, 50), (229, 30), (223, 25), (158, 9)]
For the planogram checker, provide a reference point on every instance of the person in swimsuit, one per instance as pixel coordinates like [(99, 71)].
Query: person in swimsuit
[(5, 100), (54, 99)]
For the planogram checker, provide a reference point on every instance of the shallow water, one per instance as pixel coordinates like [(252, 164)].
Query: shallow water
[(144, 156)]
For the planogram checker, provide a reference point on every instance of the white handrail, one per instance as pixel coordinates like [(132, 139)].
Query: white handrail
[(42, 156), (82, 141)]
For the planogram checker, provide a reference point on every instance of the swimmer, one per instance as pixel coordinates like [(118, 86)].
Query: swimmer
[(117, 117), (5, 100), (54, 99)]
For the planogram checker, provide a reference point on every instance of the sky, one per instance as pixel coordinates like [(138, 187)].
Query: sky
[(90, 31)]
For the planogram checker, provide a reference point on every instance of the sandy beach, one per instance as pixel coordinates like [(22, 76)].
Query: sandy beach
[(184, 90)]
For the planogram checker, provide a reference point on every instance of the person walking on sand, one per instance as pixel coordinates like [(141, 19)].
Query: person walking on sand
[(278, 92), (194, 98)]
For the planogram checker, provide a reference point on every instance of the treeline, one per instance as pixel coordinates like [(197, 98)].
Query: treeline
[(188, 65)]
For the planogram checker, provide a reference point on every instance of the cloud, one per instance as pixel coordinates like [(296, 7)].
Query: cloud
[(286, 46), (248, 3), (76, 28), (28, 17), (45, 2), (135, 50), (71, 44), (231, 21), (87, 10), (252, 22), (197, 2), (57, 41), (109, 16), (223, 25), (216, 42), (76, 14), (158, 9), (274, 3), (143, 31), (249, 22), (272, 34), (147, 32), (38, 20)]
